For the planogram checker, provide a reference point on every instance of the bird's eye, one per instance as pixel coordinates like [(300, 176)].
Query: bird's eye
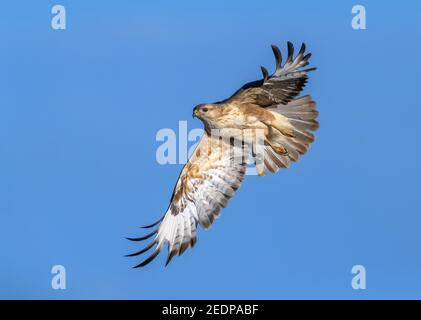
[(205, 109)]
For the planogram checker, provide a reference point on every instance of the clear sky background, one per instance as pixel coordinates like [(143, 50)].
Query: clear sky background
[(80, 108)]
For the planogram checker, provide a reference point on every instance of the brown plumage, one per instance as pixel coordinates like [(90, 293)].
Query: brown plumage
[(264, 118)]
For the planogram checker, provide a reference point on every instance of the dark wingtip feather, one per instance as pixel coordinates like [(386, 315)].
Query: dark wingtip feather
[(193, 242), (265, 73), (148, 260), (184, 246), (149, 246), (303, 48), (307, 56), (310, 69), (278, 56), (169, 257), (154, 224), (290, 51), (145, 237)]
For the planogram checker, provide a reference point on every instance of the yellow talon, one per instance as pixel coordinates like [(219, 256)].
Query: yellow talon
[(288, 132), (280, 150)]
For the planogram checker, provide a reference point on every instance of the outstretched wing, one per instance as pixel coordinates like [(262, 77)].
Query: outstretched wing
[(209, 179), (282, 86)]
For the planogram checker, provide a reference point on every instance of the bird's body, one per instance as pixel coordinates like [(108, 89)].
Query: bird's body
[(263, 118)]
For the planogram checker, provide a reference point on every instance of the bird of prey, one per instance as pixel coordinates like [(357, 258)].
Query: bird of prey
[(269, 108)]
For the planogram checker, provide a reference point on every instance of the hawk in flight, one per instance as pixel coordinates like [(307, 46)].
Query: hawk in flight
[(265, 119)]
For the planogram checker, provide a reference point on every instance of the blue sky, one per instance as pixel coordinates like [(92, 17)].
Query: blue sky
[(80, 108)]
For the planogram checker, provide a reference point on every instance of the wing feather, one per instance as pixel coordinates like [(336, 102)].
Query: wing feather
[(282, 86), (206, 183)]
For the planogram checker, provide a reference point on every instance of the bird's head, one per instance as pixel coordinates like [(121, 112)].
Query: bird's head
[(206, 112)]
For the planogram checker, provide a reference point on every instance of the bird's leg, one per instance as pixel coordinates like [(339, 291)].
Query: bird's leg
[(284, 130), (278, 149)]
